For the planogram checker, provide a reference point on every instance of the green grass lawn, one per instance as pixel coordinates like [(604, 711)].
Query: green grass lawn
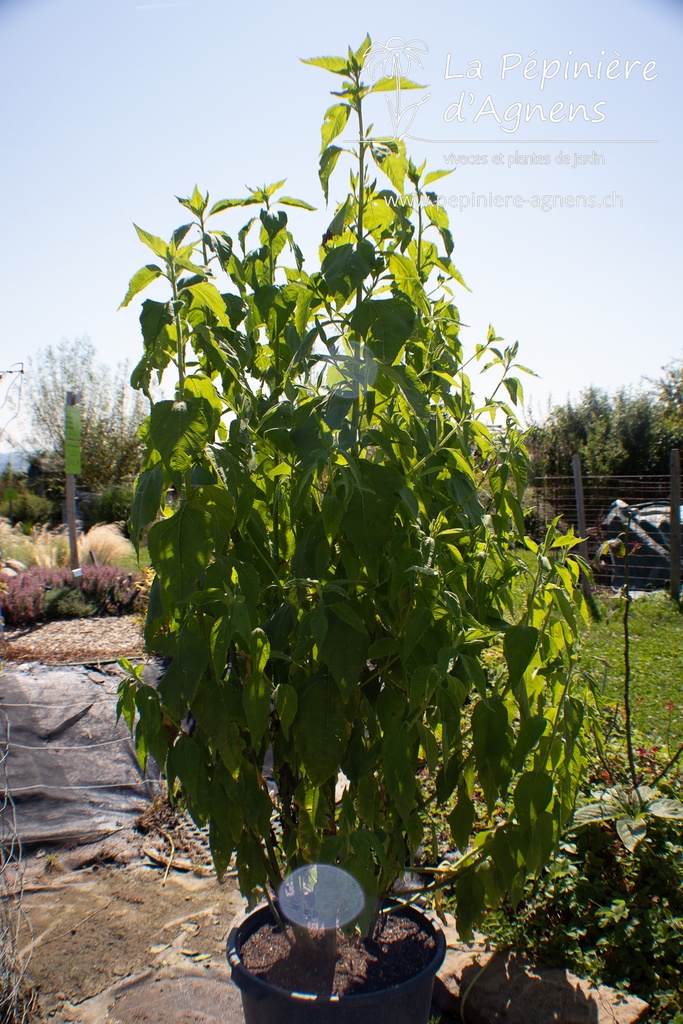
[(656, 654)]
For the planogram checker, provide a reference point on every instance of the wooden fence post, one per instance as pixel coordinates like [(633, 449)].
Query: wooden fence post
[(675, 524), (580, 518), (73, 466)]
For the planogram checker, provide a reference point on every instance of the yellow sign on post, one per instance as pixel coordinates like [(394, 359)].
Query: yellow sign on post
[(72, 437)]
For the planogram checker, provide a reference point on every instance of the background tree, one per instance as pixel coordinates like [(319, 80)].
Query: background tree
[(629, 432), (111, 414)]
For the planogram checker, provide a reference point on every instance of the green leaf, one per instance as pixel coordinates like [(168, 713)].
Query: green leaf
[(179, 682), (146, 501), (383, 648), (328, 161), (666, 807), (241, 621), (438, 216), (347, 613), (207, 296), (273, 223), (434, 176), (180, 548), (394, 165), (221, 243), (180, 431), (519, 646), (631, 831), (251, 866), (513, 388), (219, 507), (300, 204), (533, 794), (318, 624), (348, 263), (461, 819), (368, 523), (360, 53), (335, 122), (201, 387), (528, 736), (337, 65), (418, 623), (126, 703), (155, 617), (221, 637), (310, 546), (155, 318), (386, 324), (407, 381), (140, 280), (332, 512), (228, 204), (345, 648), (221, 843), (489, 728), (256, 703), (603, 810), (157, 245), (337, 225), (389, 84), (536, 840), (408, 280), (197, 203), (470, 899), (397, 750), (185, 763), (516, 511), (180, 233), (320, 726), (286, 704)]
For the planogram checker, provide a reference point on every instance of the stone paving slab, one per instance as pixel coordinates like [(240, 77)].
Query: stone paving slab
[(506, 988), (173, 995)]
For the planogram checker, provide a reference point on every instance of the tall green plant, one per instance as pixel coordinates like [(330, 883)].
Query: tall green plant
[(336, 581)]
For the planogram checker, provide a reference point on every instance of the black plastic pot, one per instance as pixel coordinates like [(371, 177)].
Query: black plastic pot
[(263, 1003)]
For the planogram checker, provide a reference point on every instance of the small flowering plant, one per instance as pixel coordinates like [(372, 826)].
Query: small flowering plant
[(630, 809)]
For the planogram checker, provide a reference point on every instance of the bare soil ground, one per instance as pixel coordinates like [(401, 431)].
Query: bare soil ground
[(116, 911), (131, 929)]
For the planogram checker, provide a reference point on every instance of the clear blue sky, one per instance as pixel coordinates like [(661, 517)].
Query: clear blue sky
[(110, 108)]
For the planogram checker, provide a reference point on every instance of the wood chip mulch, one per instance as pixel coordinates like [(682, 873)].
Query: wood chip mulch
[(75, 641)]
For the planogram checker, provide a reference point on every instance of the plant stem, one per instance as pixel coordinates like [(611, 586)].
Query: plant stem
[(278, 386), (205, 253), (419, 233), (276, 914), (179, 332), (359, 239), (667, 768), (627, 664)]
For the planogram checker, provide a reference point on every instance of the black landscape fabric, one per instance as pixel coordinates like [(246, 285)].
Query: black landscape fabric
[(71, 772)]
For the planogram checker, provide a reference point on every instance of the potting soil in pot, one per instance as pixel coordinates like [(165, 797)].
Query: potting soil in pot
[(398, 950)]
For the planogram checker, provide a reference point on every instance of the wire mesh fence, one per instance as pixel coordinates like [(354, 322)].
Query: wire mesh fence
[(553, 496)]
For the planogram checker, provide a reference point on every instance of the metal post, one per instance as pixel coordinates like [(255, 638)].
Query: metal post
[(675, 524), (580, 517)]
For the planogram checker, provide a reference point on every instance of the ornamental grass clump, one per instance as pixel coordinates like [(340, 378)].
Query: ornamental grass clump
[(335, 581)]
